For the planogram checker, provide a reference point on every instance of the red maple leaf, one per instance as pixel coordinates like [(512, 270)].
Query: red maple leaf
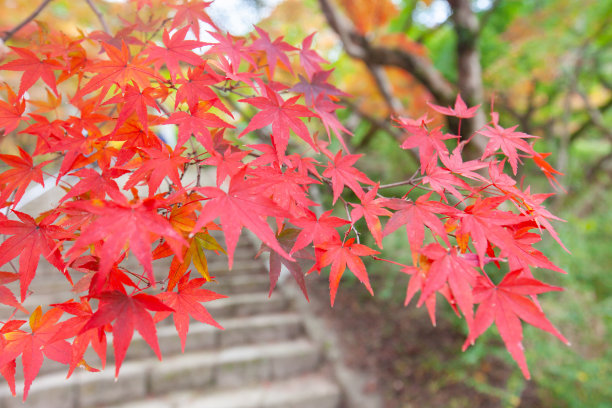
[(197, 87), (134, 101), (371, 208), (96, 336), (286, 239), (282, 115), (507, 304), (447, 266), (416, 215), (459, 111), (340, 255), (508, 141), (310, 60), (197, 122), (242, 205), (121, 224), (11, 112), (129, 312), (192, 13), (177, 49), (18, 178), (316, 230), (342, 173), (30, 240), (33, 68), (276, 51), (186, 302), (33, 346), (156, 166), (226, 46), (120, 69)]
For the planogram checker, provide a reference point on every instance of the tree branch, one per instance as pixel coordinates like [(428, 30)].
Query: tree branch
[(358, 46), (99, 15), (469, 69), (29, 18)]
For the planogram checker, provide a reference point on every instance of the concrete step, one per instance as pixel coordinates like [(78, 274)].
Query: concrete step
[(308, 391), (238, 331), (242, 304), (230, 367), (237, 281)]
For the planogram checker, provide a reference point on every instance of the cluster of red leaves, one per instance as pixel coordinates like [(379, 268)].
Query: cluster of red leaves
[(472, 227)]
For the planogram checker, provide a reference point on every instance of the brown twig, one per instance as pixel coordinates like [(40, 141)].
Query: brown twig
[(29, 18), (99, 15)]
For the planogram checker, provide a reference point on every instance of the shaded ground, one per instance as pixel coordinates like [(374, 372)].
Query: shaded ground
[(406, 354)]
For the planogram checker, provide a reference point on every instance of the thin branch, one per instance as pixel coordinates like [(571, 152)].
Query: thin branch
[(589, 122), (358, 46), (384, 87), (29, 18), (99, 15)]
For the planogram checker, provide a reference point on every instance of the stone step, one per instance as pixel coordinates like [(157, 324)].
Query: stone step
[(307, 391), (237, 332), (240, 304), (230, 367), (237, 281)]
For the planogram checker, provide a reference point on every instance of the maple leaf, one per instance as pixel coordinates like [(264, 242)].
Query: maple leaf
[(118, 224), (8, 298), (186, 302), (33, 346), (98, 185), (33, 68), (196, 122), (370, 208), (448, 267), (227, 46), (342, 173), (11, 112), (326, 111), (159, 164), (30, 240), (340, 255), (507, 304), (227, 164), (286, 239), (83, 313), (316, 230), (196, 88), (134, 100), (417, 282), (288, 188), (120, 69), (310, 60), (416, 215), (484, 223), (317, 87), (177, 49), (18, 178), (429, 142), (242, 205), (508, 141), (460, 110), (129, 312), (192, 13), (540, 160), (276, 51), (282, 115)]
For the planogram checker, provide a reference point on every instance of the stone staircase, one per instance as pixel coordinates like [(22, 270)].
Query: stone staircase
[(263, 359)]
